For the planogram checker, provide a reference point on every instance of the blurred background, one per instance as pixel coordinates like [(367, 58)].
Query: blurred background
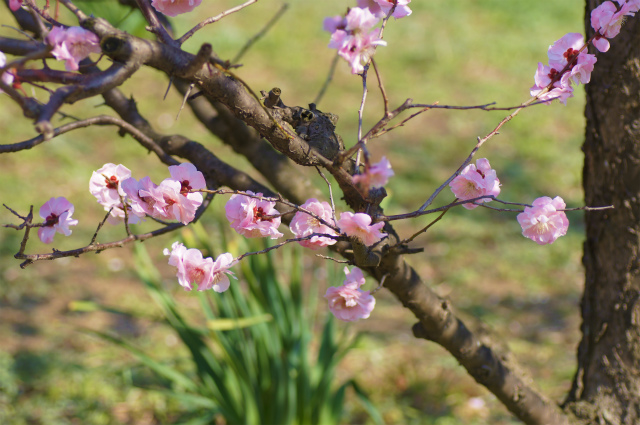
[(454, 52)]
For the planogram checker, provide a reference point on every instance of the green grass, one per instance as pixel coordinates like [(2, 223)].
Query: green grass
[(454, 52)]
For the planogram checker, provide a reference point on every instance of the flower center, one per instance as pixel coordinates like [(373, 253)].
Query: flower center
[(570, 55), (111, 182), (52, 220), (185, 187), (260, 215)]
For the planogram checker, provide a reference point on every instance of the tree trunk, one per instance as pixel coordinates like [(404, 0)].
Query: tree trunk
[(606, 387)]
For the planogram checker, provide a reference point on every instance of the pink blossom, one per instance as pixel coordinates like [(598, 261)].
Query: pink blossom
[(116, 216), (543, 223), (475, 181), (15, 4), (348, 302), (355, 43), (188, 176), (359, 226), (334, 23), (606, 20), (376, 176), (203, 272), (581, 71), (562, 89), (303, 224), (381, 8), (171, 204), (634, 6), (7, 77), (175, 7), (105, 184), (354, 278), (140, 195), (565, 50), (72, 45), (56, 213), (251, 217)]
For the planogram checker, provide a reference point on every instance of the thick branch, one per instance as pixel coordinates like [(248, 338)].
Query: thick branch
[(276, 168)]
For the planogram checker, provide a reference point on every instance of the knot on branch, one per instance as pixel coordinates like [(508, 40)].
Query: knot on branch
[(272, 100), (117, 47), (315, 127)]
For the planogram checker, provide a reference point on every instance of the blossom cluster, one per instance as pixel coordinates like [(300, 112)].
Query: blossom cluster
[(204, 273), (568, 60), (543, 223), (353, 34), (172, 199)]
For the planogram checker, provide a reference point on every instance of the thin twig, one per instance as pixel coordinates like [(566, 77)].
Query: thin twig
[(213, 19), (283, 243), (382, 91), (361, 110), (144, 140), (43, 14), (427, 227), (333, 259), (261, 33), (333, 205), (104, 220), (325, 85), (380, 284)]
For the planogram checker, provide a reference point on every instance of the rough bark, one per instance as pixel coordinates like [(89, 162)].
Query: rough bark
[(606, 388)]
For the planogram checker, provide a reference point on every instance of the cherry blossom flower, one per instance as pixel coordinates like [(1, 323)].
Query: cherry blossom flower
[(188, 176), (634, 5), (334, 23), (7, 77), (475, 181), (381, 8), (175, 7), (72, 45), (251, 217), (205, 273), (562, 89), (303, 224), (172, 204), (105, 184), (566, 51), (348, 302), (376, 176), (359, 226), (355, 43), (543, 223), (606, 20), (15, 4), (140, 195), (57, 214)]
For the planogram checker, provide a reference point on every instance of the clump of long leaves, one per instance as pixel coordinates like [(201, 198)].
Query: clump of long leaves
[(253, 363)]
